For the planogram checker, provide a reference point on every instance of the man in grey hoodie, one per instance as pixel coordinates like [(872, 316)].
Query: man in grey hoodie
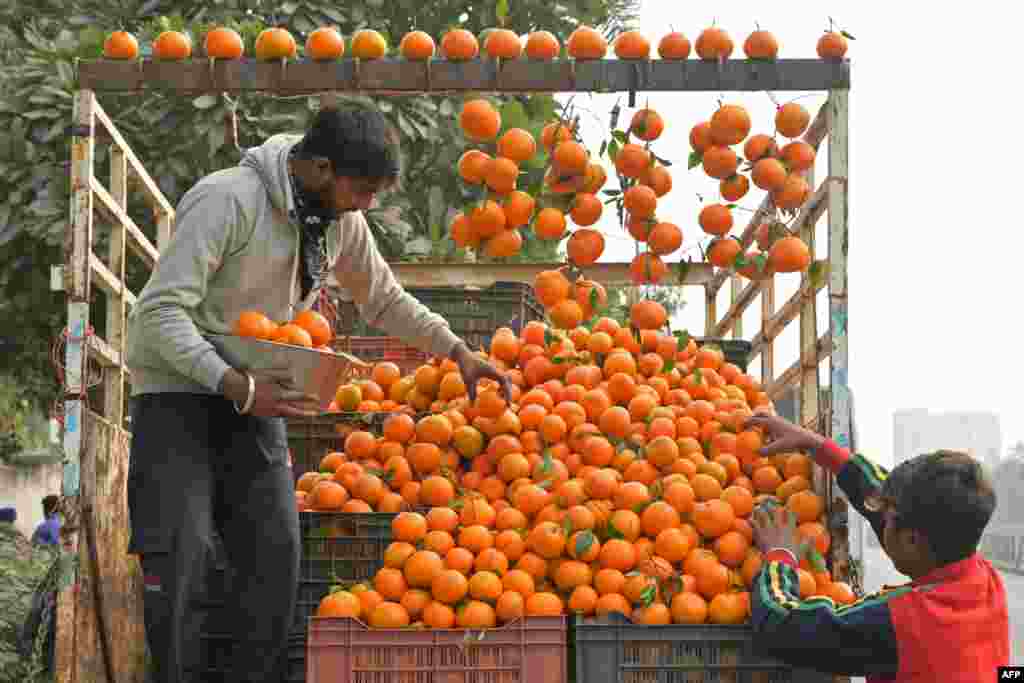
[(209, 446)]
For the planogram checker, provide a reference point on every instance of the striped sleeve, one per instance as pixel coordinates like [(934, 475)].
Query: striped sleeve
[(852, 640), (857, 476)]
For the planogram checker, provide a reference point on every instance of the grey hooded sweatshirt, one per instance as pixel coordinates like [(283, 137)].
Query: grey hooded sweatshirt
[(235, 248)]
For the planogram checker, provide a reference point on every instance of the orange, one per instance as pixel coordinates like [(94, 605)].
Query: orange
[(340, 604), (479, 120), (254, 325), (417, 46), (459, 45), (368, 44), (316, 325), (121, 45), (172, 45), (517, 144), (586, 43), (674, 45), (632, 45), (713, 44), (325, 43), (542, 46), (223, 43), (275, 43), (502, 43)]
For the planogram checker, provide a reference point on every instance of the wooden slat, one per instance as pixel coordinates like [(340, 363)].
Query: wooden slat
[(388, 76), (763, 212), (164, 229), (486, 274), (814, 135), (153, 194), (821, 350), (136, 239), (103, 352), (736, 309), (108, 281), (773, 325)]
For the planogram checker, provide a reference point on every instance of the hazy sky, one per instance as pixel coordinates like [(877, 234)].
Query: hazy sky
[(932, 263)]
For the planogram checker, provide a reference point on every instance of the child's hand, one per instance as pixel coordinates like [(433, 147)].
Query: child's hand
[(785, 436), (775, 529)]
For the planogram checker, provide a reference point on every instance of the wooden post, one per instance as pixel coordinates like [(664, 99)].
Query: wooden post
[(768, 354), (117, 308), (735, 288), (710, 309), (839, 381), (77, 247)]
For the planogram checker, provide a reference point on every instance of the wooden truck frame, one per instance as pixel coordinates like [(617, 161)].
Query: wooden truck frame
[(100, 632)]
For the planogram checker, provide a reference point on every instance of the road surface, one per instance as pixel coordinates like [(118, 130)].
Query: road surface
[(879, 571)]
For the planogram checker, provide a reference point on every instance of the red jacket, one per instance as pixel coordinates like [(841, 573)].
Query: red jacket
[(951, 626)]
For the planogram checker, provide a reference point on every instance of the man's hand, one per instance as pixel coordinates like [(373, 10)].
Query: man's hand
[(785, 436), (775, 529), (473, 368), (269, 399)]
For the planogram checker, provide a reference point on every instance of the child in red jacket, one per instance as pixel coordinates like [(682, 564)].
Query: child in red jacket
[(950, 624)]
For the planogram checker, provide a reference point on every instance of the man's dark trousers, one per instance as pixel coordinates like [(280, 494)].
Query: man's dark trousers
[(199, 469)]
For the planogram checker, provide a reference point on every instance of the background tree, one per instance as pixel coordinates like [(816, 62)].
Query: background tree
[(181, 139)]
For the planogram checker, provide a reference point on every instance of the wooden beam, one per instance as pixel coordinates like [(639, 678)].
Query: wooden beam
[(136, 239), (398, 76), (152, 191), (821, 350), (484, 275)]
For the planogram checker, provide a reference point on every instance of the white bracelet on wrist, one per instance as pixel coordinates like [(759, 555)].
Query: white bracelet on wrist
[(250, 397)]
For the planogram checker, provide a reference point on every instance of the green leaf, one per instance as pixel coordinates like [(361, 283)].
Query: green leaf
[(696, 159), (682, 339), (698, 377), (846, 35), (613, 149), (501, 10), (620, 136), (664, 162), (584, 542), (818, 272), (670, 365), (567, 526), (682, 269), (612, 192), (648, 595)]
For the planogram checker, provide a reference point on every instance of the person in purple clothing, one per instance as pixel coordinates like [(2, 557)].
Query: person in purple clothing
[(48, 531)]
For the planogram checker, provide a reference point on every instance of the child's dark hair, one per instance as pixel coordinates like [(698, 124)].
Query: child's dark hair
[(357, 140), (50, 503), (947, 496)]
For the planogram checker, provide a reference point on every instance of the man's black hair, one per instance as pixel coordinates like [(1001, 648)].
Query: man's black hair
[(357, 140), (50, 503), (947, 496)]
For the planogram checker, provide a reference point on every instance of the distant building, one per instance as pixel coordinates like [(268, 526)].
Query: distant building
[(919, 431)]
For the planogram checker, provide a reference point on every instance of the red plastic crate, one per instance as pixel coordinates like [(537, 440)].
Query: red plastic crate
[(530, 650)]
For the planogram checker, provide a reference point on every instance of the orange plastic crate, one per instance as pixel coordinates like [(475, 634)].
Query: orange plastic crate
[(530, 650)]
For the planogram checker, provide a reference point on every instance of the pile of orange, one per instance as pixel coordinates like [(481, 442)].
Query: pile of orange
[(774, 169), (619, 478), (309, 329)]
